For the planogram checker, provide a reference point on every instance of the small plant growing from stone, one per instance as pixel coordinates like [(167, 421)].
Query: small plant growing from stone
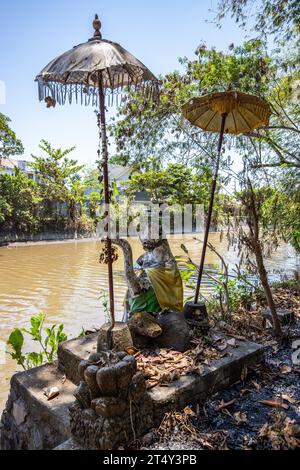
[(104, 300), (47, 338)]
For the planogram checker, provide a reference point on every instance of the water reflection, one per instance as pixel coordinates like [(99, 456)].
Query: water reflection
[(65, 279)]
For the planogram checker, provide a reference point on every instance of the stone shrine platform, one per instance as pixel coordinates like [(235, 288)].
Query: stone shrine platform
[(30, 421)]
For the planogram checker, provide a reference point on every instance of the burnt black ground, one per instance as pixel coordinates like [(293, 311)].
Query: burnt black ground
[(273, 385), (217, 429)]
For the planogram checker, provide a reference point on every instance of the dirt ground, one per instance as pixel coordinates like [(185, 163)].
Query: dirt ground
[(261, 411)]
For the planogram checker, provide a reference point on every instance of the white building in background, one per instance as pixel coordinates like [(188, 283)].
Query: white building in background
[(119, 174), (8, 166)]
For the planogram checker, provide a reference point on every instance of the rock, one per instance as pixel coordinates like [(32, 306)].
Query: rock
[(19, 412), (148, 439), (96, 358), (132, 361), (81, 368), (82, 395), (121, 337), (137, 387), (141, 342), (109, 406), (37, 439), (107, 381), (91, 381), (144, 324), (121, 355), (285, 316), (124, 373), (175, 331)]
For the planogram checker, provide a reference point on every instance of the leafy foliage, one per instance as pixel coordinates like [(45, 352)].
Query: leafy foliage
[(174, 185), (56, 172), (9, 143), (48, 339), (279, 17), (19, 203)]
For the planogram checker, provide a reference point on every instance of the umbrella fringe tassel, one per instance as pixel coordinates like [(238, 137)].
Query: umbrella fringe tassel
[(63, 93)]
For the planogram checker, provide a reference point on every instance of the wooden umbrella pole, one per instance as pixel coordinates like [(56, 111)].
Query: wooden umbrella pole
[(106, 200), (210, 207)]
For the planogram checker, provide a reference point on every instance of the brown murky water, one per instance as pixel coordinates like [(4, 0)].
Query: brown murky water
[(64, 280)]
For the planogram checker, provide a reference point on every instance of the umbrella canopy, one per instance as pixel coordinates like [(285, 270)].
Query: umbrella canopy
[(230, 112), (86, 74), (74, 75), (243, 112)]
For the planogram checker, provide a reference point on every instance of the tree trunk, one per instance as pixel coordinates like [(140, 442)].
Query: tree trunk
[(266, 286), (255, 244)]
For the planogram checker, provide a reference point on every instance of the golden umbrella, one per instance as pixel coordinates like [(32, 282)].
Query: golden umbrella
[(230, 112)]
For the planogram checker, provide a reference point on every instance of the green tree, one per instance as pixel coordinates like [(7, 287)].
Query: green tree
[(75, 198), (278, 17), (93, 192), (57, 176), (259, 238), (175, 184), (9, 143), (19, 203), (149, 128)]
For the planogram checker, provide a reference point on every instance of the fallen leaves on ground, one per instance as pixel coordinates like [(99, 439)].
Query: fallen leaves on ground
[(163, 366), (178, 426), (283, 433), (249, 324)]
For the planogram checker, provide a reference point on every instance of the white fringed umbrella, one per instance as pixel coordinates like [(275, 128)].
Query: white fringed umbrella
[(85, 74)]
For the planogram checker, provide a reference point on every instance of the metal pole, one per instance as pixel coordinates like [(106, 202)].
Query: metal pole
[(210, 207), (106, 200)]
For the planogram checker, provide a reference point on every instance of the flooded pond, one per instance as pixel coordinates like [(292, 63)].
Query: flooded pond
[(65, 280)]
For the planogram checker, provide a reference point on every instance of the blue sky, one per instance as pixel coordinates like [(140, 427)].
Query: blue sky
[(33, 32)]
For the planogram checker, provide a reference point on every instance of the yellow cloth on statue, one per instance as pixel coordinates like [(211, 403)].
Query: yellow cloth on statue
[(167, 285)]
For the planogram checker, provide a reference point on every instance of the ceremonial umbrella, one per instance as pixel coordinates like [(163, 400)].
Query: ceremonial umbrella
[(230, 112), (86, 74)]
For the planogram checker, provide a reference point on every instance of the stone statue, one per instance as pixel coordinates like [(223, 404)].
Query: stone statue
[(158, 286), (154, 300), (109, 400)]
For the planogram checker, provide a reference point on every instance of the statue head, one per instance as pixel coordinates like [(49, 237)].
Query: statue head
[(151, 236)]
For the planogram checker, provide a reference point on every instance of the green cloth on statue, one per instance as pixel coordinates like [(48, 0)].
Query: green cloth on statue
[(144, 302)]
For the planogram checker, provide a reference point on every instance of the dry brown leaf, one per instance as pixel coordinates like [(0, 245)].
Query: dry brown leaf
[(285, 369), (51, 392), (225, 405), (274, 404), (240, 417), (291, 428), (256, 385), (282, 432), (188, 411), (239, 337), (289, 399), (131, 351), (245, 390)]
